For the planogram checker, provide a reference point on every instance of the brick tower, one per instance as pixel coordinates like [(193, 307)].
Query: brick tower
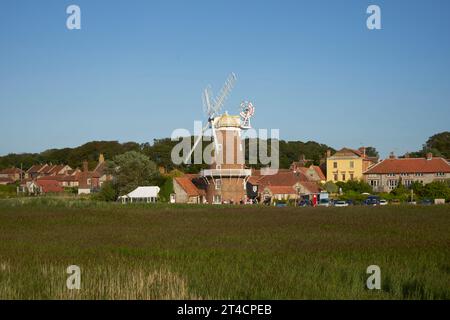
[(226, 178)]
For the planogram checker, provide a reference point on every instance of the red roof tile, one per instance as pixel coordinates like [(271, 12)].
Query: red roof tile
[(283, 178), (281, 189), (55, 169), (6, 180), (187, 185), (319, 172), (11, 171), (312, 187), (36, 168), (410, 165), (49, 186)]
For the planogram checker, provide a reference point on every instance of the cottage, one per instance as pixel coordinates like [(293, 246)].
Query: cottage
[(14, 174), (389, 173), (187, 192), (348, 164)]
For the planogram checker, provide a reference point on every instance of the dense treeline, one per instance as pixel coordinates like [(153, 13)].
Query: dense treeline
[(74, 157), (438, 145), (159, 152)]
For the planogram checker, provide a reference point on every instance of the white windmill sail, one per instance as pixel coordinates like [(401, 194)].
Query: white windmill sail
[(212, 108)]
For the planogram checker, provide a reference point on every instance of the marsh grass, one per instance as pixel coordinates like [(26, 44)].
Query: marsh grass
[(223, 252), (106, 281)]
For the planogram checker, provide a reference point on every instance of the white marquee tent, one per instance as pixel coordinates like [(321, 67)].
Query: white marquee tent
[(141, 194)]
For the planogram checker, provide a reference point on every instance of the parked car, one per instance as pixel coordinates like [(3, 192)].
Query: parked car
[(303, 203), (324, 203), (372, 201), (350, 202), (426, 202), (281, 204), (383, 202), (341, 203)]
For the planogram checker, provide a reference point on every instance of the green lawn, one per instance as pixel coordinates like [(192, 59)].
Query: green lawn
[(226, 252)]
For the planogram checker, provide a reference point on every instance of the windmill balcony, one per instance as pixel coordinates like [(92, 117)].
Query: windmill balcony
[(226, 172)]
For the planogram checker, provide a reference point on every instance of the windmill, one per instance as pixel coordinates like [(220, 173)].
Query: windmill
[(212, 107)]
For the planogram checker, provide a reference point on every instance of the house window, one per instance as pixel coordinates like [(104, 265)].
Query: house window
[(392, 184), (335, 165), (407, 183), (352, 164), (419, 174), (351, 176), (374, 183), (335, 177), (391, 174), (404, 174), (218, 184), (255, 188), (440, 174), (343, 177)]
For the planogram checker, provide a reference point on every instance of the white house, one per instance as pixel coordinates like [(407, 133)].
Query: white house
[(141, 194)]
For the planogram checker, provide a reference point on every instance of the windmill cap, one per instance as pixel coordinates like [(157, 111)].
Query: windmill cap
[(227, 120)]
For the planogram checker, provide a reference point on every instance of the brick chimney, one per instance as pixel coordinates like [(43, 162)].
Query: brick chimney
[(85, 166), (362, 150), (429, 156), (392, 155)]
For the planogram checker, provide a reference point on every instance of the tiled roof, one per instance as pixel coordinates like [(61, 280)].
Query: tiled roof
[(49, 186), (6, 180), (47, 169), (319, 172), (11, 171), (58, 177), (36, 168), (281, 189), (100, 168), (312, 187), (187, 185), (347, 152), (283, 178), (55, 169), (410, 165)]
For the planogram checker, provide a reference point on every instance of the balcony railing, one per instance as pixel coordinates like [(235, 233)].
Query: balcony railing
[(226, 172)]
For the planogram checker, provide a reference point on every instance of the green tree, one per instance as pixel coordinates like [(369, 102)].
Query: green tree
[(330, 187), (133, 169), (108, 192), (436, 190), (372, 152), (357, 186), (439, 143)]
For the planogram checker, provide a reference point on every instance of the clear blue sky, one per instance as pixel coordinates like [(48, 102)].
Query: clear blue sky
[(136, 69)]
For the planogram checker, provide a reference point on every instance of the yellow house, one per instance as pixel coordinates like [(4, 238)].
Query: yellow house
[(348, 164)]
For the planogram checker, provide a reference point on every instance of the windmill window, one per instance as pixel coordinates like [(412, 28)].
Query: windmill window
[(217, 199)]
